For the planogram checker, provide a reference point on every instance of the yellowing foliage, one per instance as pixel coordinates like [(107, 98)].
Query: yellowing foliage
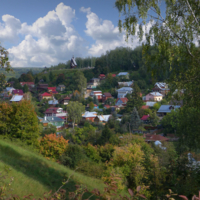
[(53, 146)]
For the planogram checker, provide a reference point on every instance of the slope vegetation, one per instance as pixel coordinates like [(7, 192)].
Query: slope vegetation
[(34, 174)]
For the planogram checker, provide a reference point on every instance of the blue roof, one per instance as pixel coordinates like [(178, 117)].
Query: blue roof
[(123, 74), (125, 88), (9, 88), (167, 108), (53, 102)]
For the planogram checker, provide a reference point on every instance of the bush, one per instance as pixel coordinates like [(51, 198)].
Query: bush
[(53, 146), (72, 155)]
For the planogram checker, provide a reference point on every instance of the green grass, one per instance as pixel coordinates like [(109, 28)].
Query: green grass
[(34, 174)]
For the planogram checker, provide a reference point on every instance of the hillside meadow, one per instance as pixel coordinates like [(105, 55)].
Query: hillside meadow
[(34, 174)]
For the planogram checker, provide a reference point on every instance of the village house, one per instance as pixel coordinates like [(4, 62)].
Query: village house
[(17, 92), (54, 111), (106, 96), (153, 96), (161, 88), (90, 116), (7, 93), (55, 121), (101, 119), (45, 95), (65, 101), (17, 98), (123, 75), (61, 88), (102, 76), (42, 87), (121, 102), (53, 102), (122, 92), (145, 119), (150, 103), (93, 83), (29, 84), (106, 106), (125, 84), (98, 95), (164, 109), (52, 90)]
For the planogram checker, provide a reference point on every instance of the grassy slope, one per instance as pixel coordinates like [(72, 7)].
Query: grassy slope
[(34, 174)]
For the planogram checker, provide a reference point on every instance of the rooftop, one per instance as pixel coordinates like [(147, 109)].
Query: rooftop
[(167, 108), (16, 98)]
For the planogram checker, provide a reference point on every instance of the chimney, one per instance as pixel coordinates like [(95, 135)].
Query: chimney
[(45, 118)]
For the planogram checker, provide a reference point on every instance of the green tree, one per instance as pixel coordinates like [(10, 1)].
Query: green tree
[(4, 63), (135, 120), (19, 120), (51, 76), (95, 100), (25, 88), (105, 136), (91, 106), (174, 32), (50, 129), (110, 101), (36, 80), (80, 81), (75, 110), (134, 99), (154, 119)]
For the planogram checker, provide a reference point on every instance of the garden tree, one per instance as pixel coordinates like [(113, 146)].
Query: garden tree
[(134, 100), (169, 122), (25, 88), (2, 82), (19, 120), (135, 120), (154, 119), (80, 81), (26, 78), (91, 106), (36, 80), (174, 33), (4, 63), (105, 136), (82, 136), (44, 78), (110, 101), (53, 146), (48, 130), (51, 76), (156, 106), (75, 110), (95, 100)]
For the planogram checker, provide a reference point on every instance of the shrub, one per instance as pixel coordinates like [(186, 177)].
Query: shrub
[(52, 146), (92, 153), (72, 155)]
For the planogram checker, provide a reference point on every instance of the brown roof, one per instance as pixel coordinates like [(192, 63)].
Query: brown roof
[(154, 138), (107, 94)]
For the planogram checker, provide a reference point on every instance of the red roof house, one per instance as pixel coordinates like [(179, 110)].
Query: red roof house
[(46, 95), (121, 101), (105, 96), (17, 92), (106, 106), (30, 84), (102, 76), (145, 117), (50, 89), (144, 107), (113, 75)]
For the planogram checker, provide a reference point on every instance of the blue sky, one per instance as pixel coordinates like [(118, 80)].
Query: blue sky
[(43, 33)]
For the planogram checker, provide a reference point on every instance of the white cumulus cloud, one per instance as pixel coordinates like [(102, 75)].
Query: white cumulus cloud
[(49, 40)]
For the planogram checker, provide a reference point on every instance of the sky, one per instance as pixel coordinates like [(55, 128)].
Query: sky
[(40, 33)]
